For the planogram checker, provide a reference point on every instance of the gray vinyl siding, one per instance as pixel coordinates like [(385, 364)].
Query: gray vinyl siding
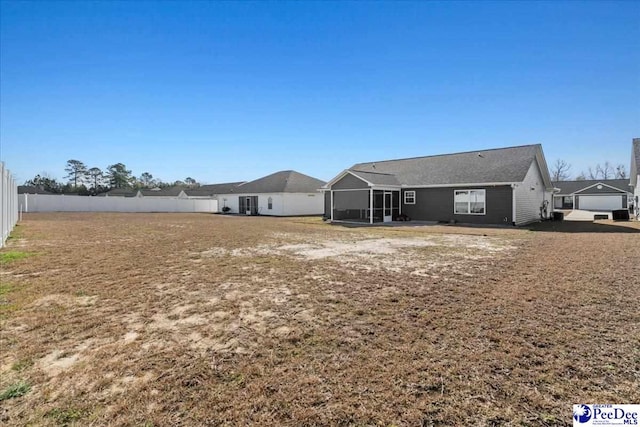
[(436, 204), (349, 182)]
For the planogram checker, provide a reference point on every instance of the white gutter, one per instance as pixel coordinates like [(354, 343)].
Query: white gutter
[(470, 184)]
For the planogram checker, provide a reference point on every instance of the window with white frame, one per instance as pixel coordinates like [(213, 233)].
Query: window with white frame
[(409, 197), (269, 203), (469, 202)]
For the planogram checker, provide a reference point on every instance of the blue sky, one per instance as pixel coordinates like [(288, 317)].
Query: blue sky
[(225, 91)]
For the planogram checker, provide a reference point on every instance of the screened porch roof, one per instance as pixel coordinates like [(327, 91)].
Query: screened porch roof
[(377, 178), (371, 179)]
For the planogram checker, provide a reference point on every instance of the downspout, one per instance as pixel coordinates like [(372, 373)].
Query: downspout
[(513, 204)]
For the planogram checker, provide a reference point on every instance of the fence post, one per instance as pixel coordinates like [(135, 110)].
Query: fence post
[(8, 203)]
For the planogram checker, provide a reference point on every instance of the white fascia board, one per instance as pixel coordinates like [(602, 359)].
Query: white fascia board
[(599, 183), (470, 184), (386, 188), (601, 194), (342, 175), (544, 169)]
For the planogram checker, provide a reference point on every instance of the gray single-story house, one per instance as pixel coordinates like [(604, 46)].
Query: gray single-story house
[(592, 195), (497, 186), (635, 175)]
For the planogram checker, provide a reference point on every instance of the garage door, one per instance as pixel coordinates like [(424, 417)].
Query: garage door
[(600, 203)]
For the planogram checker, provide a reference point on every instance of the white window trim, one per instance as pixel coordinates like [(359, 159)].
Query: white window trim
[(483, 191), (405, 197), (270, 204)]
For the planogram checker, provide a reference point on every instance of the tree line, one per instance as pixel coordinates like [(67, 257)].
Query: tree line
[(91, 181), (561, 171)]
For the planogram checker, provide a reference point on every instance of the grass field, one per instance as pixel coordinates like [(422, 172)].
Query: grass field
[(194, 319)]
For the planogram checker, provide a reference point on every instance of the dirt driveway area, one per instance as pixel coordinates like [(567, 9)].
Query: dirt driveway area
[(196, 319)]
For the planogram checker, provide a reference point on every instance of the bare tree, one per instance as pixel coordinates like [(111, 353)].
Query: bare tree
[(560, 170), (621, 172), (581, 177), (606, 171)]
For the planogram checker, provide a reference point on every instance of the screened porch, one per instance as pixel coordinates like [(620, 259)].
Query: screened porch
[(365, 205)]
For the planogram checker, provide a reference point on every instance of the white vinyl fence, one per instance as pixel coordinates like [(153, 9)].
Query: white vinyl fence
[(8, 203), (61, 203)]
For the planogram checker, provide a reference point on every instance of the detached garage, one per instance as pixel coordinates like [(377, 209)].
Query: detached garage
[(603, 195)]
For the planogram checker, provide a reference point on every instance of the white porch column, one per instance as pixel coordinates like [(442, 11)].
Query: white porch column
[(331, 205), (371, 205)]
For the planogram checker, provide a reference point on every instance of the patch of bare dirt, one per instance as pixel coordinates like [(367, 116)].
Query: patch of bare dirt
[(172, 319)]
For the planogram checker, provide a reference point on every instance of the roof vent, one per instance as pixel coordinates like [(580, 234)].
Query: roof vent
[(481, 155), (373, 165)]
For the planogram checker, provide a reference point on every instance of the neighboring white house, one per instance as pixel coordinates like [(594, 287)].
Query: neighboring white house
[(284, 193), (635, 174)]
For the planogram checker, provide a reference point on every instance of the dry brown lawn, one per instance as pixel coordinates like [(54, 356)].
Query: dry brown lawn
[(194, 319)]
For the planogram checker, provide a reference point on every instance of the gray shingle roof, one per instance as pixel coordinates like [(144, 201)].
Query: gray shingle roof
[(121, 192), (570, 187), (213, 189), (281, 182), (376, 177), (509, 164), (31, 189), (164, 192)]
